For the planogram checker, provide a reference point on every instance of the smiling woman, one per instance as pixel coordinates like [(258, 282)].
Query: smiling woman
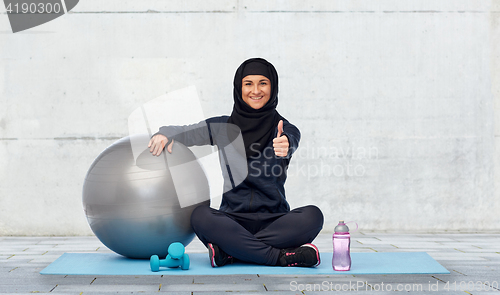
[(256, 90), (254, 222)]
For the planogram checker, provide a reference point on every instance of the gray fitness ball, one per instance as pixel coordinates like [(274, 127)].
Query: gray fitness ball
[(132, 205)]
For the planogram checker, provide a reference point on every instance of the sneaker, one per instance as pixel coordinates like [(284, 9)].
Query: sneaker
[(306, 255), (217, 256)]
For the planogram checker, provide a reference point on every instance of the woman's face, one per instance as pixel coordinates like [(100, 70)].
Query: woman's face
[(256, 90)]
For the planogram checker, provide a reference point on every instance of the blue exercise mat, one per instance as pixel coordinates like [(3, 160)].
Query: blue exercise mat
[(362, 263)]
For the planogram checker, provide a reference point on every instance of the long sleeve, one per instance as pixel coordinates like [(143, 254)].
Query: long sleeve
[(211, 131), (189, 135), (293, 135)]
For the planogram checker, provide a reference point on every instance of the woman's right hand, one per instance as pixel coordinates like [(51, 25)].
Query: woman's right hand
[(157, 143)]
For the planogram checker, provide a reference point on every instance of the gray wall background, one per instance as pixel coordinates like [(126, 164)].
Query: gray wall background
[(398, 102)]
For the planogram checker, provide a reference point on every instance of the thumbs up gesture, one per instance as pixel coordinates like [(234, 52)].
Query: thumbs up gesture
[(280, 143)]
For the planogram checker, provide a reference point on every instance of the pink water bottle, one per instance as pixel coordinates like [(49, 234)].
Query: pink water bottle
[(341, 260)]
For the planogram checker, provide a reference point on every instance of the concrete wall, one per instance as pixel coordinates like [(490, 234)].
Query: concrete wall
[(397, 102)]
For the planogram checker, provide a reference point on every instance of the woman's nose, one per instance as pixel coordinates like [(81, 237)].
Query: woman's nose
[(255, 89)]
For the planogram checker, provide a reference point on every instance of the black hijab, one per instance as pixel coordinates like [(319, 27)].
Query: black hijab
[(257, 126)]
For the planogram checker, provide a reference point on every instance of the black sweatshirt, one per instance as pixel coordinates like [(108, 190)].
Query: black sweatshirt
[(252, 185)]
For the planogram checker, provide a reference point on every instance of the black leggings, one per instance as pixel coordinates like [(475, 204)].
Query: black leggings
[(257, 237)]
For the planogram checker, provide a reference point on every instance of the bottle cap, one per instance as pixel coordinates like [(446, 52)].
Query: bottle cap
[(341, 227)]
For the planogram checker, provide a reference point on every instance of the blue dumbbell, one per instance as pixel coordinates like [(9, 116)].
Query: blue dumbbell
[(175, 258)]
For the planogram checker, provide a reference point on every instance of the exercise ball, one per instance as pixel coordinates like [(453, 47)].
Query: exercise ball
[(132, 203)]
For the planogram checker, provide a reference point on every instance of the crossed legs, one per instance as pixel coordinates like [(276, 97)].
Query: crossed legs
[(257, 237)]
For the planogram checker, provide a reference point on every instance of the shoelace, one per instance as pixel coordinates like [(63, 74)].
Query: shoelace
[(290, 254)]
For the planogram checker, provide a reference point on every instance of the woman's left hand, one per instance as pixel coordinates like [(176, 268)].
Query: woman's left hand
[(280, 143)]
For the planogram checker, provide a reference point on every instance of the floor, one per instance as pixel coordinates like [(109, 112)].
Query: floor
[(473, 260)]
